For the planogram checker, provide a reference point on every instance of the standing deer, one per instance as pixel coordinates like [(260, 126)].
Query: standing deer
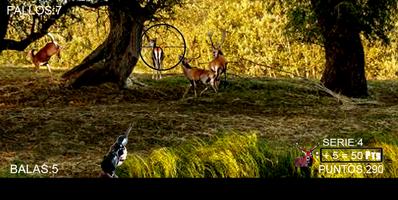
[(307, 159), (157, 59), (219, 64), (44, 54)]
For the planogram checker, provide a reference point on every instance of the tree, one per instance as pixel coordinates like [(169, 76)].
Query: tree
[(35, 26), (337, 25), (4, 17), (114, 60), (116, 57)]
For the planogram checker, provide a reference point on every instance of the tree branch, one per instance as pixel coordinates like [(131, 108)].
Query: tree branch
[(7, 44)]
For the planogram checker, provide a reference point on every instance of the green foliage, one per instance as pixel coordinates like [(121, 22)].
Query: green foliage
[(79, 36), (311, 21), (302, 23), (262, 31), (378, 18), (253, 32), (256, 30), (373, 17)]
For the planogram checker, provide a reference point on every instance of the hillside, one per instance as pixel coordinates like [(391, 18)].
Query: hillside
[(43, 122)]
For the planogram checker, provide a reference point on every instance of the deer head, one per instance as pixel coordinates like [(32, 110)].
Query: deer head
[(307, 159), (216, 48)]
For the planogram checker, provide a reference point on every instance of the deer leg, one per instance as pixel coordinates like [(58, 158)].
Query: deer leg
[(219, 77), (160, 72), (203, 91), (154, 71), (214, 88), (225, 78), (187, 90), (37, 68), (157, 70), (48, 68), (194, 88), (217, 83), (212, 84)]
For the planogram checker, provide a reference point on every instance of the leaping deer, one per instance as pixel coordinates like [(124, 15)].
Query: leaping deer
[(44, 54)]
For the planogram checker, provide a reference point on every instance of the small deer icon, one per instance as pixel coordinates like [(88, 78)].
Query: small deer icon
[(307, 159)]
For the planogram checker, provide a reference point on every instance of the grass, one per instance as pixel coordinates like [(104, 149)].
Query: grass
[(237, 155), (247, 130), (232, 155)]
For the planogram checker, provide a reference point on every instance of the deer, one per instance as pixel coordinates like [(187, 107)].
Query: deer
[(219, 64), (157, 59), (157, 56), (44, 54), (307, 159), (194, 74)]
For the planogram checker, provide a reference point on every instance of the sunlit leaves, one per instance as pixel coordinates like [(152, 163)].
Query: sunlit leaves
[(374, 18)]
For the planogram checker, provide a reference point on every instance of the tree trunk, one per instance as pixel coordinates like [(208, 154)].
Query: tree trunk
[(115, 59), (345, 65), (4, 18), (345, 60)]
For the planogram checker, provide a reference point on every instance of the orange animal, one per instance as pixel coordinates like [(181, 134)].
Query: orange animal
[(194, 74), (44, 54), (219, 64)]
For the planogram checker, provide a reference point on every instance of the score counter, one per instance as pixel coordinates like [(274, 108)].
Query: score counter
[(351, 155)]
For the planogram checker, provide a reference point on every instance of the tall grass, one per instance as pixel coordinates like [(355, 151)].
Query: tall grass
[(234, 155), (228, 156)]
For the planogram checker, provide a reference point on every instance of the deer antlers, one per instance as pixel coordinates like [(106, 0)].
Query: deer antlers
[(210, 35), (312, 149), (194, 44), (304, 150)]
